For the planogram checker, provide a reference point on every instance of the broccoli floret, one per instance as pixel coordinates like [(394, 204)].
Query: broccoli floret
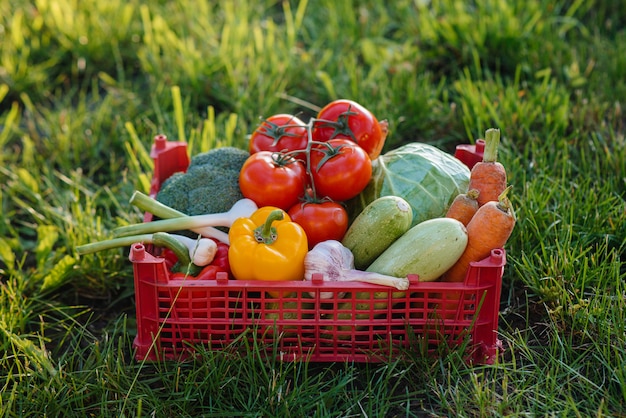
[(223, 158), (210, 184), (175, 192)]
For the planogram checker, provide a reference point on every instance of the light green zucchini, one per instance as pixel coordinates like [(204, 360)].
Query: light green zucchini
[(428, 249), (381, 223)]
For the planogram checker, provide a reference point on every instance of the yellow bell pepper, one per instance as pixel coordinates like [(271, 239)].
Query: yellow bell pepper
[(267, 246)]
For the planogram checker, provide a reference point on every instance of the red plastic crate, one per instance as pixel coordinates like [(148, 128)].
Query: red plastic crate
[(176, 315), (470, 154)]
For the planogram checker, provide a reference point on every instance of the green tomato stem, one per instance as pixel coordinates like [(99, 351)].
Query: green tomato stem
[(309, 132)]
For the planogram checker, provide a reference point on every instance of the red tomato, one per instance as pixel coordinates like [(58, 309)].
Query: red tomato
[(321, 220), (348, 119), (273, 179), (282, 132), (340, 169)]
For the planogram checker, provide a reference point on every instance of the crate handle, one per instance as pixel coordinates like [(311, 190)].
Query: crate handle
[(137, 252), (221, 278)]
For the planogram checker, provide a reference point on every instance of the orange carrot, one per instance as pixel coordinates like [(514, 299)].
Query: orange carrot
[(489, 175), (490, 228), (464, 206)]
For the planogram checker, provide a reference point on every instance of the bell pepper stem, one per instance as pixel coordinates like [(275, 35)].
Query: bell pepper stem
[(266, 233)]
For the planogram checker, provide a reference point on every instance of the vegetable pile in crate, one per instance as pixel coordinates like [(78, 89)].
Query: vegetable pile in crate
[(314, 242)]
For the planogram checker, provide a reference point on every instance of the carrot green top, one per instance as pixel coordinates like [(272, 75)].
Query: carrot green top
[(504, 204), (492, 141)]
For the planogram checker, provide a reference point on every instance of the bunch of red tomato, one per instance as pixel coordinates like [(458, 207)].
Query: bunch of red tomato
[(310, 169)]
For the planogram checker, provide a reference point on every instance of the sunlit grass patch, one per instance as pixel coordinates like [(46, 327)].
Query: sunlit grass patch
[(85, 87)]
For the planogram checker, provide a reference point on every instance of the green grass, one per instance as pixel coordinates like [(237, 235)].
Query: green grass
[(85, 86)]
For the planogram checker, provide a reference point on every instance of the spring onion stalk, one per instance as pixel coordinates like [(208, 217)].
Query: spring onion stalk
[(241, 209), (194, 253), (153, 206), (94, 247), (201, 250)]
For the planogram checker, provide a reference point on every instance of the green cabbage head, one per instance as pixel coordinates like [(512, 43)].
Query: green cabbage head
[(423, 175)]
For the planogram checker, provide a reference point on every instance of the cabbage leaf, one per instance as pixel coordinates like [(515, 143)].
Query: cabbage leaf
[(423, 175)]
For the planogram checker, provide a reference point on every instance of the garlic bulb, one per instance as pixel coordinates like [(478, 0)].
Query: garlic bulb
[(335, 263)]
